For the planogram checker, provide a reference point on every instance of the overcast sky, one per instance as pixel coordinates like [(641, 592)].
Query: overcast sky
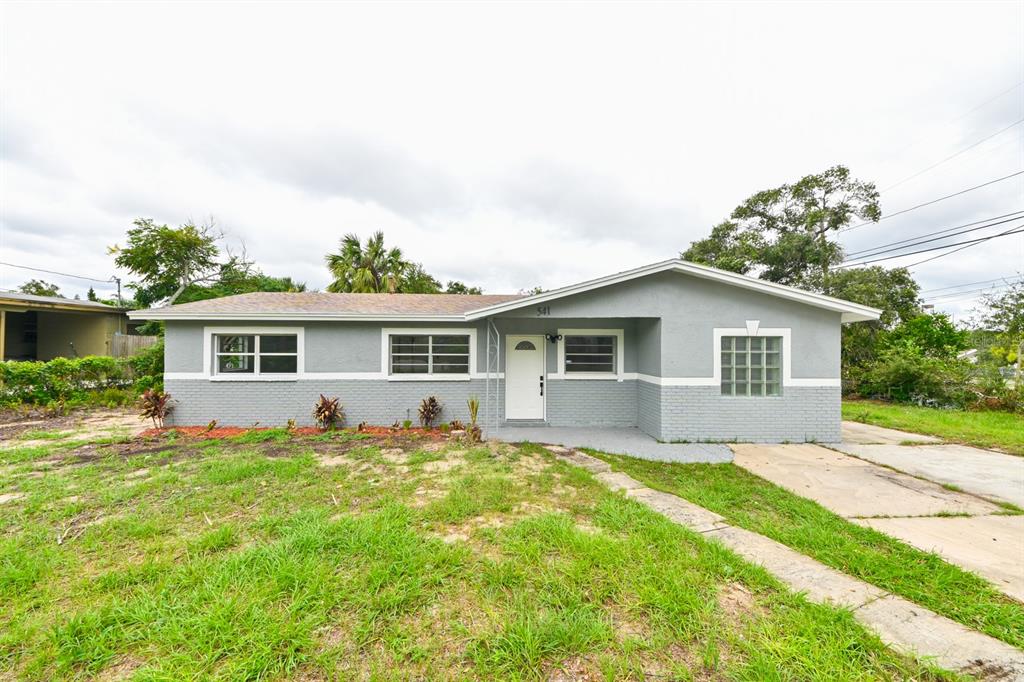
[(504, 145)]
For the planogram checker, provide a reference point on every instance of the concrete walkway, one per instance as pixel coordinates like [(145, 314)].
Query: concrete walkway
[(899, 623), (619, 441)]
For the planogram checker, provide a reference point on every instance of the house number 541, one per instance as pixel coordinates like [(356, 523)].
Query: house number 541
[(543, 310)]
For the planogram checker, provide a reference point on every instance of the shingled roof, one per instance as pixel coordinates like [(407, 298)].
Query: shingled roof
[(315, 304)]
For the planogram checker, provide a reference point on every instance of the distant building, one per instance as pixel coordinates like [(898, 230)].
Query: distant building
[(46, 327)]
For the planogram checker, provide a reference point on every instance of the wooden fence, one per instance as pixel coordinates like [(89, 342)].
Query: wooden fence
[(126, 345)]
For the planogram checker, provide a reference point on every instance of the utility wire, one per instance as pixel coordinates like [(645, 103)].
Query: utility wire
[(1013, 230), (968, 245), (954, 155), (917, 241), (933, 201), (968, 284), (942, 231), (954, 294), (62, 274)]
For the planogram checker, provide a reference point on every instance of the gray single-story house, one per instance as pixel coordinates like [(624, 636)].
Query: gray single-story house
[(678, 350)]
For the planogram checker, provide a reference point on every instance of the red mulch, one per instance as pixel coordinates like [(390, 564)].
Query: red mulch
[(229, 431)]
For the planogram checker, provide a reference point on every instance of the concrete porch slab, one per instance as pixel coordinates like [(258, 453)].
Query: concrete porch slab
[(619, 441)]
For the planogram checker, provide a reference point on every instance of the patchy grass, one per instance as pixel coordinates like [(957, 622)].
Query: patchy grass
[(753, 503), (264, 557), (999, 430)]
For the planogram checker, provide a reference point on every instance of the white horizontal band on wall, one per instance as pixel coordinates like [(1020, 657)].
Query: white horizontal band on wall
[(328, 376)]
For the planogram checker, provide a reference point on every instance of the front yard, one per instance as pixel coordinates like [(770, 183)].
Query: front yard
[(270, 556), (1000, 430)]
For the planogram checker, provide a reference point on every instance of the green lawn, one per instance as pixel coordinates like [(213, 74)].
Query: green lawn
[(1000, 430), (339, 557), (753, 503)]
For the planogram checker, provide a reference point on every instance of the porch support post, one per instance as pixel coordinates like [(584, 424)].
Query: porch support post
[(3, 334)]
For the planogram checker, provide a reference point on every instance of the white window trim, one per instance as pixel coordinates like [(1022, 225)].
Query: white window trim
[(209, 366), (620, 355), (385, 353)]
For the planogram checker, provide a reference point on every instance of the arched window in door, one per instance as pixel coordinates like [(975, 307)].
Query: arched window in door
[(525, 345)]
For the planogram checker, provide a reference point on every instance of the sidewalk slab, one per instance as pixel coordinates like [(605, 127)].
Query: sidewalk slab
[(991, 546), (677, 509), (850, 486), (907, 627), (800, 572), (991, 474)]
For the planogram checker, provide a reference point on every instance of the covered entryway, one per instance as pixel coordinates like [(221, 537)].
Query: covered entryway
[(524, 377)]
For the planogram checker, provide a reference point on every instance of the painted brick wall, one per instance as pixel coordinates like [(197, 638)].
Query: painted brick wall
[(573, 402), (648, 403), (274, 403), (701, 413)]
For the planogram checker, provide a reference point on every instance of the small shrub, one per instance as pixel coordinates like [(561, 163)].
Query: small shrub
[(474, 433), (396, 425), (155, 405), (290, 425), (430, 410), (407, 424), (211, 425), (362, 426), (328, 412), (443, 428), (457, 425)]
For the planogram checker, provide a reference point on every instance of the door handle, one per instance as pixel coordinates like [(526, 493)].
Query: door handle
[(542, 385)]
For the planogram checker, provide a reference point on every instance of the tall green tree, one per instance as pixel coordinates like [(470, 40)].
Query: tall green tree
[(786, 234), (372, 269), (167, 260), (38, 287), (1003, 313)]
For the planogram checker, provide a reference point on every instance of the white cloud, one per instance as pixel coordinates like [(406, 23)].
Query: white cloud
[(506, 145)]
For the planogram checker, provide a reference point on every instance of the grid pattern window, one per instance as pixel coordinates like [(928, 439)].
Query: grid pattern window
[(751, 366), (590, 354), (429, 353), (256, 354)]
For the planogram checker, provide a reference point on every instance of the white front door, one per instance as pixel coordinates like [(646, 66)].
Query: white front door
[(524, 377)]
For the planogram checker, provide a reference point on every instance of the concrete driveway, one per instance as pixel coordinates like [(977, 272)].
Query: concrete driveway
[(914, 508)]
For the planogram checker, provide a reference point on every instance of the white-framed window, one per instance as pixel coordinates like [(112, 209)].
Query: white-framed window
[(410, 354), (590, 354), (751, 365), (253, 353)]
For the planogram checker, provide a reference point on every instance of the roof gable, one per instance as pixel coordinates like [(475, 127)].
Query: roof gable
[(851, 312)]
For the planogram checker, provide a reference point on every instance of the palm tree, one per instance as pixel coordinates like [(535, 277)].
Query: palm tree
[(372, 269)]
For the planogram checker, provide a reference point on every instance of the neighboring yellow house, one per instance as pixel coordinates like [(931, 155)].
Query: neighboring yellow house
[(46, 327)]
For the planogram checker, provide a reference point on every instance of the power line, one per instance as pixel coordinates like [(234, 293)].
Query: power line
[(964, 115), (917, 241), (1014, 230), (934, 201), (954, 294), (953, 156), (968, 245), (968, 284), (62, 274)]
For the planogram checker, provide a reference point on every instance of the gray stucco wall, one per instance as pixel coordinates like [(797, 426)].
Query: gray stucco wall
[(592, 403), (690, 307)]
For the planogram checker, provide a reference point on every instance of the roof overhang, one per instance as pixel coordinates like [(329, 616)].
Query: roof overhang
[(19, 306), (157, 314), (851, 312)]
